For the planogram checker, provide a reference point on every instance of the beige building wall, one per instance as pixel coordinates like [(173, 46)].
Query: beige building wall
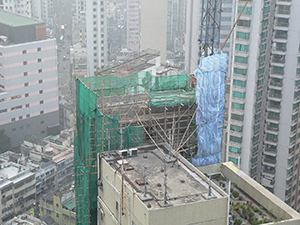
[(57, 213), (154, 26), (136, 212)]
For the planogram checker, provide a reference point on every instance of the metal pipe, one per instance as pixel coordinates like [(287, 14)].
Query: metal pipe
[(122, 188), (165, 183)]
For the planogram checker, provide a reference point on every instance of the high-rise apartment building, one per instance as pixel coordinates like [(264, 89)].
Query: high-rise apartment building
[(193, 27), (28, 79), (22, 7), (133, 25), (43, 9), (176, 25), (93, 15), (263, 135)]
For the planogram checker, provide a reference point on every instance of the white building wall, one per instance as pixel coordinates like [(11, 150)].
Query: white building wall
[(96, 31), (29, 84)]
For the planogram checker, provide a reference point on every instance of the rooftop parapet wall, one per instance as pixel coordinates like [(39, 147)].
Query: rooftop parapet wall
[(256, 191)]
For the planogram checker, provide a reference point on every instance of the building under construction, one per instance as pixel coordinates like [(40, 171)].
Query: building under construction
[(126, 110)]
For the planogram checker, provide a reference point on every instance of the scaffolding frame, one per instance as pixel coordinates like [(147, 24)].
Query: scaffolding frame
[(117, 109)]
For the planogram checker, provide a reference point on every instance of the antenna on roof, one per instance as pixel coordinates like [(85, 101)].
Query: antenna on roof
[(145, 181), (170, 148), (121, 144), (165, 183)]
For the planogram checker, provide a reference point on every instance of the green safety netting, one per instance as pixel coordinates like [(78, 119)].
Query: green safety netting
[(169, 99), (175, 82), (97, 132)]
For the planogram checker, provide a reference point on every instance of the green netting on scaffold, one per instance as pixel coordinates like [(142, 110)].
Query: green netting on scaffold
[(98, 132)]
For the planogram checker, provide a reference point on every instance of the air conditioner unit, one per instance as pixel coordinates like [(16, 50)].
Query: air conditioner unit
[(133, 151), (123, 153)]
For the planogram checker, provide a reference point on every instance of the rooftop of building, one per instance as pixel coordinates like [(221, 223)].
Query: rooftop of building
[(136, 63), (53, 147), (185, 184), (66, 193), (13, 172), (15, 20), (25, 220)]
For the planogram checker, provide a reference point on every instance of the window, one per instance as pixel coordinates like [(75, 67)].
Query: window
[(281, 47), (42, 112), (260, 82), (236, 139), (25, 73), (243, 48), (236, 128), (278, 70), (237, 117), (258, 105), (264, 35), (24, 63), (15, 97), (16, 107), (235, 150), (240, 59), (247, 10), (263, 47), (237, 94), (281, 34), (24, 52), (262, 59), (39, 60), (239, 106), (40, 70), (244, 23), (261, 71), (20, 117), (256, 127), (42, 102), (283, 9), (259, 94), (26, 84), (239, 83), (38, 49), (40, 81), (271, 137), (27, 105), (234, 160), (282, 22), (41, 91), (28, 116), (265, 22), (240, 71), (13, 119)]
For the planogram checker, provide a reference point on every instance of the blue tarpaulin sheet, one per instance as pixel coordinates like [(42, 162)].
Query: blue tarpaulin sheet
[(210, 97)]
